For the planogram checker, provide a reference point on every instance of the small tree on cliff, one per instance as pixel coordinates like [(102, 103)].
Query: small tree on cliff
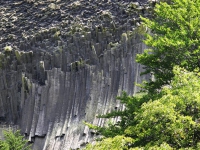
[(14, 141), (173, 40)]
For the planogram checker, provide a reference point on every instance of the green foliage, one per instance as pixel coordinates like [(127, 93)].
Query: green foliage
[(116, 143), (173, 40), (132, 104), (167, 116), (163, 146), (165, 120), (173, 117), (14, 141)]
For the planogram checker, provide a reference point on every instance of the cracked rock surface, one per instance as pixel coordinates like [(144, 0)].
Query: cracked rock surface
[(64, 62)]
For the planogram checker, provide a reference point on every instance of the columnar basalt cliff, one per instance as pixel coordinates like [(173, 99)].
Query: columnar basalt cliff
[(62, 63)]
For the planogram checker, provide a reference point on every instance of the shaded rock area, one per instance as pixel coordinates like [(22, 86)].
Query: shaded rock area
[(64, 62)]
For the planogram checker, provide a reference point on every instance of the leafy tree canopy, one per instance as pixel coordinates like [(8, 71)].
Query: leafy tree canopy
[(168, 119), (167, 116), (173, 39)]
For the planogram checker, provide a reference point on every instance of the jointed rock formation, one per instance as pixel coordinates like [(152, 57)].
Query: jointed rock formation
[(64, 62)]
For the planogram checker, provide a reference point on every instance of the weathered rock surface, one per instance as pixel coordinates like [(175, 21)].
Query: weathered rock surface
[(62, 63)]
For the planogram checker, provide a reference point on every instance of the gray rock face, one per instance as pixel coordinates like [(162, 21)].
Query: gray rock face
[(61, 75)]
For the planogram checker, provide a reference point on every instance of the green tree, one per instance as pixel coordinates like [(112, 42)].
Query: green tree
[(165, 120), (173, 39), (115, 143), (167, 116), (14, 141)]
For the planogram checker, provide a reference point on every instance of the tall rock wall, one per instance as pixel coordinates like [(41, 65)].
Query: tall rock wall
[(55, 79)]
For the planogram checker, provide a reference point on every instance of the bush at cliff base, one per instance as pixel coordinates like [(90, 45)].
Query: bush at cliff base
[(14, 141)]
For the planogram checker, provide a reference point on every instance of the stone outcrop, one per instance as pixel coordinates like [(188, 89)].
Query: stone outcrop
[(63, 63)]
